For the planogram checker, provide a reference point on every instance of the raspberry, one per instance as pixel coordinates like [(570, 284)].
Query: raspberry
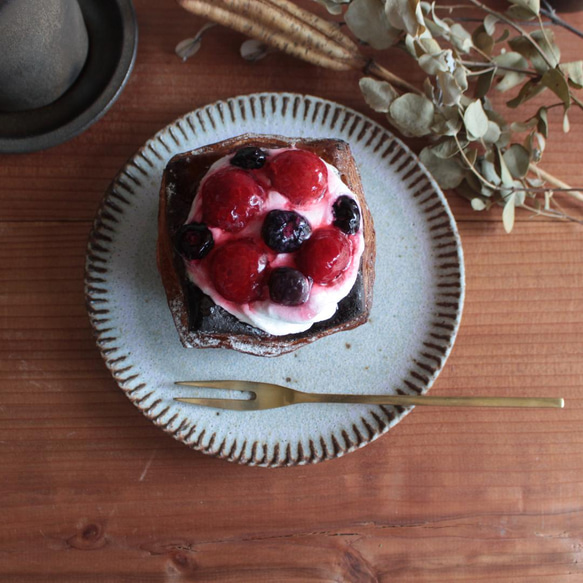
[(325, 255), (346, 215), (230, 199), (285, 231), (299, 175), (194, 241), (289, 287), (237, 271)]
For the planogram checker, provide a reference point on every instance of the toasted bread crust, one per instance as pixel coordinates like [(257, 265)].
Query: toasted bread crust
[(201, 323)]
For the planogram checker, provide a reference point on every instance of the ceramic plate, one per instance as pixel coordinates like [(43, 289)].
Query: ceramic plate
[(418, 295)]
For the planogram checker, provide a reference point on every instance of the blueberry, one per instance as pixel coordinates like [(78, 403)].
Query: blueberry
[(288, 286), (346, 215), (249, 158), (285, 231), (194, 241)]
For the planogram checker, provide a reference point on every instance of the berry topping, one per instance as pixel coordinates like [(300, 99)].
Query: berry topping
[(299, 175), (194, 241), (285, 231), (325, 255), (346, 215), (249, 158), (288, 286), (230, 199), (237, 271)]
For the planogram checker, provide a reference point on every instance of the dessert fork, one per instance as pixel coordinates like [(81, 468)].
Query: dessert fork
[(270, 396)]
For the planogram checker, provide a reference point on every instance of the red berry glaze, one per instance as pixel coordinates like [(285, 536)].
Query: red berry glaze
[(238, 270), (325, 255), (299, 175), (230, 199)]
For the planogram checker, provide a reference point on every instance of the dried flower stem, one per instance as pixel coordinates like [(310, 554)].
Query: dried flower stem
[(285, 26), (277, 18), (516, 27), (556, 182), (328, 28), (290, 29), (551, 14), (491, 65), (373, 68), (283, 40)]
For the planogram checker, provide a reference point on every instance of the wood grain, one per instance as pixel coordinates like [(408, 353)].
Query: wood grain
[(92, 491)]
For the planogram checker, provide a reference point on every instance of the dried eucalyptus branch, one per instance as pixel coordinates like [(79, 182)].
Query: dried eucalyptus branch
[(551, 14), (472, 148)]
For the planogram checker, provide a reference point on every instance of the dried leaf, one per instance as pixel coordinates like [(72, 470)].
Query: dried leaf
[(484, 83), (510, 59), (460, 38), (517, 159), (574, 72), (436, 62), (190, 46), (508, 212), (505, 174), (368, 21), (532, 6), (523, 126), (378, 94), (333, 6), (546, 42), (483, 40), (406, 15), (428, 45), (493, 133), (447, 121), (519, 13), (452, 86), (489, 172), (556, 82), (253, 50), (442, 25), (428, 89), (490, 24), (471, 156), (475, 120), (535, 144), (566, 123), (505, 34), (412, 114), (447, 148), (478, 204), (543, 123), (510, 78), (448, 173), (529, 90)]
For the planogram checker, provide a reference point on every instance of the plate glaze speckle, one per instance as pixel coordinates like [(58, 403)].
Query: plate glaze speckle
[(417, 306)]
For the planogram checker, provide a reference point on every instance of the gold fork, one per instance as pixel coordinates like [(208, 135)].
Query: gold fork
[(269, 396)]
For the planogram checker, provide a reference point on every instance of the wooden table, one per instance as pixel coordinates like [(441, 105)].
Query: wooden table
[(92, 491)]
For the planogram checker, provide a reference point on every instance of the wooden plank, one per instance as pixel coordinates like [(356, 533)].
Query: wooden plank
[(479, 495), (68, 182), (92, 491)]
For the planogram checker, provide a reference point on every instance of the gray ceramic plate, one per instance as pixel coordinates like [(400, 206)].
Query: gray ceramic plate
[(113, 40), (417, 308)]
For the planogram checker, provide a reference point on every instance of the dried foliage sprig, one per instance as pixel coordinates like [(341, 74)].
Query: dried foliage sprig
[(471, 148)]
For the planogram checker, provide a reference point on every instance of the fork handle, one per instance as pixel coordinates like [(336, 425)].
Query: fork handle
[(408, 400)]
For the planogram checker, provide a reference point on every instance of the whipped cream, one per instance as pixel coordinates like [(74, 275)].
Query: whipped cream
[(273, 318)]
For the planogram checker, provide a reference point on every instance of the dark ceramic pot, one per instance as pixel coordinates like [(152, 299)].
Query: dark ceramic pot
[(44, 45)]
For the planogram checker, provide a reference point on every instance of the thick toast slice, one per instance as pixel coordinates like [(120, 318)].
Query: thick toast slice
[(199, 321)]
